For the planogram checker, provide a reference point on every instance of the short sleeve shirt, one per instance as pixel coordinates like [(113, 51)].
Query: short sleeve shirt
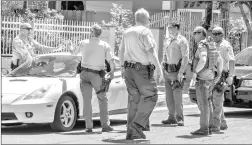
[(94, 52), (226, 52), (175, 49), (138, 40), (22, 50)]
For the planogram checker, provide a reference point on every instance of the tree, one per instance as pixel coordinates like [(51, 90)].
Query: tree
[(224, 7), (121, 19), (248, 4), (209, 8), (20, 9)]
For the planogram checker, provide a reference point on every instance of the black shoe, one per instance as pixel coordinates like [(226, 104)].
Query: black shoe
[(137, 130), (88, 130), (215, 129), (147, 128), (200, 132), (169, 121), (180, 123), (224, 127), (107, 129)]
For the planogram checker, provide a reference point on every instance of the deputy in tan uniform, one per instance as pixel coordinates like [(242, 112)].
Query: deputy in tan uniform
[(94, 51), (24, 46), (137, 53), (227, 54), (175, 61), (206, 61)]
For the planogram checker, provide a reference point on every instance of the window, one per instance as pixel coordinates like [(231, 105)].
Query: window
[(72, 5)]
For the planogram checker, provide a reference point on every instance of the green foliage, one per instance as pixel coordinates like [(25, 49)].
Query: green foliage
[(16, 8), (121, 19)]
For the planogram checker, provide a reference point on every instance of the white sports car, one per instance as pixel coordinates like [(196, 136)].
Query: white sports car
[(48, 91)]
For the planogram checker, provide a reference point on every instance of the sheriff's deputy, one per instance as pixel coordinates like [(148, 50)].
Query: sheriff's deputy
[(137, 53), (175, 61), (94, 51)]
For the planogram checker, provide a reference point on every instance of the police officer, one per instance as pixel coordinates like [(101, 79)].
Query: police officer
[(24, 46), (94, 51), (227, 54), (137, 53), (205, 63), (175, 61)]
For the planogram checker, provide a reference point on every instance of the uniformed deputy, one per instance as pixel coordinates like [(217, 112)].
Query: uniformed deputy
[(24, 46), (205, 63), (94, 51), (175, 61), (227, 54), (137, 52)]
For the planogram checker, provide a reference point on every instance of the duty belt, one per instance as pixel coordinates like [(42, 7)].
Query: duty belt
[(171, 67), (100, 72), (150, 68), (137, 65)]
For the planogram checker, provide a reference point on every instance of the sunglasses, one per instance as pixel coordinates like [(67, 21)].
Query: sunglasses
[(215, 34), (194, 33), (28, 29)]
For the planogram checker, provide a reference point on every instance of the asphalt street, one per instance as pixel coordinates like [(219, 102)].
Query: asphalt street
[(239, 131)]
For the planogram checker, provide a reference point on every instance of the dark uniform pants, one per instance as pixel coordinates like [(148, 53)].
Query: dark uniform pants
[(88, 81), (142, 91)]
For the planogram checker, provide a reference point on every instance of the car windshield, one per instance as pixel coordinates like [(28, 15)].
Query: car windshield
[(48, 66), (244, 58)]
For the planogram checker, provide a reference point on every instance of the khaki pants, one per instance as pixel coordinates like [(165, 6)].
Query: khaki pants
[(218, 112), (91, 80), (204, 103), (174, 100), (143, 96)]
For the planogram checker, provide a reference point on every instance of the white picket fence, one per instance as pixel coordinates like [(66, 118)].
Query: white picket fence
[(48, 32)]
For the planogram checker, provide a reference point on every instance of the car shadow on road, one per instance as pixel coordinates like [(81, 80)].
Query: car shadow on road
[(124, 141), (39, 129), (27, 129), (233, 114), (164, 125)]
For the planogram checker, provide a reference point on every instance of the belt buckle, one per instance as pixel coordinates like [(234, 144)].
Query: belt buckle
[(137, 66)]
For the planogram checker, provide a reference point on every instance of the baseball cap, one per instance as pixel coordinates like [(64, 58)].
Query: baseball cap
[(25, 26)]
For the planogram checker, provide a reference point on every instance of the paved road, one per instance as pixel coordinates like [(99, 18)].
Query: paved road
[(239, 131)]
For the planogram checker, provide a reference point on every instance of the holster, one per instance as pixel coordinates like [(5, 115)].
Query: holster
[(176, 84), (219, 86), (104, 86), (13, 66)]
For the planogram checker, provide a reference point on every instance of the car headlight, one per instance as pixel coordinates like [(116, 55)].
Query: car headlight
[(38, 94), (246, 83)]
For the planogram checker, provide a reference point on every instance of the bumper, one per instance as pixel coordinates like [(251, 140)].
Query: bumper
[(41, 113)]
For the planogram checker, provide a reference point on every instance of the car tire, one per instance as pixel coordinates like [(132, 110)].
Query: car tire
[(59, 115)]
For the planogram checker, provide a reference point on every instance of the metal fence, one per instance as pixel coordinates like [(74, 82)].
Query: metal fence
[(50, 32), (189, 20)]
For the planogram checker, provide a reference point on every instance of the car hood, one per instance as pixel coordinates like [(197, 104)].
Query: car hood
[(242, 70), (24, 85)]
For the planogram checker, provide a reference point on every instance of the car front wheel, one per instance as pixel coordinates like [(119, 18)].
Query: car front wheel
[(65, 115)]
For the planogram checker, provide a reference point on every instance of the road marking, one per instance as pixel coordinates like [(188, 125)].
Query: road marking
[(165, 108)]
